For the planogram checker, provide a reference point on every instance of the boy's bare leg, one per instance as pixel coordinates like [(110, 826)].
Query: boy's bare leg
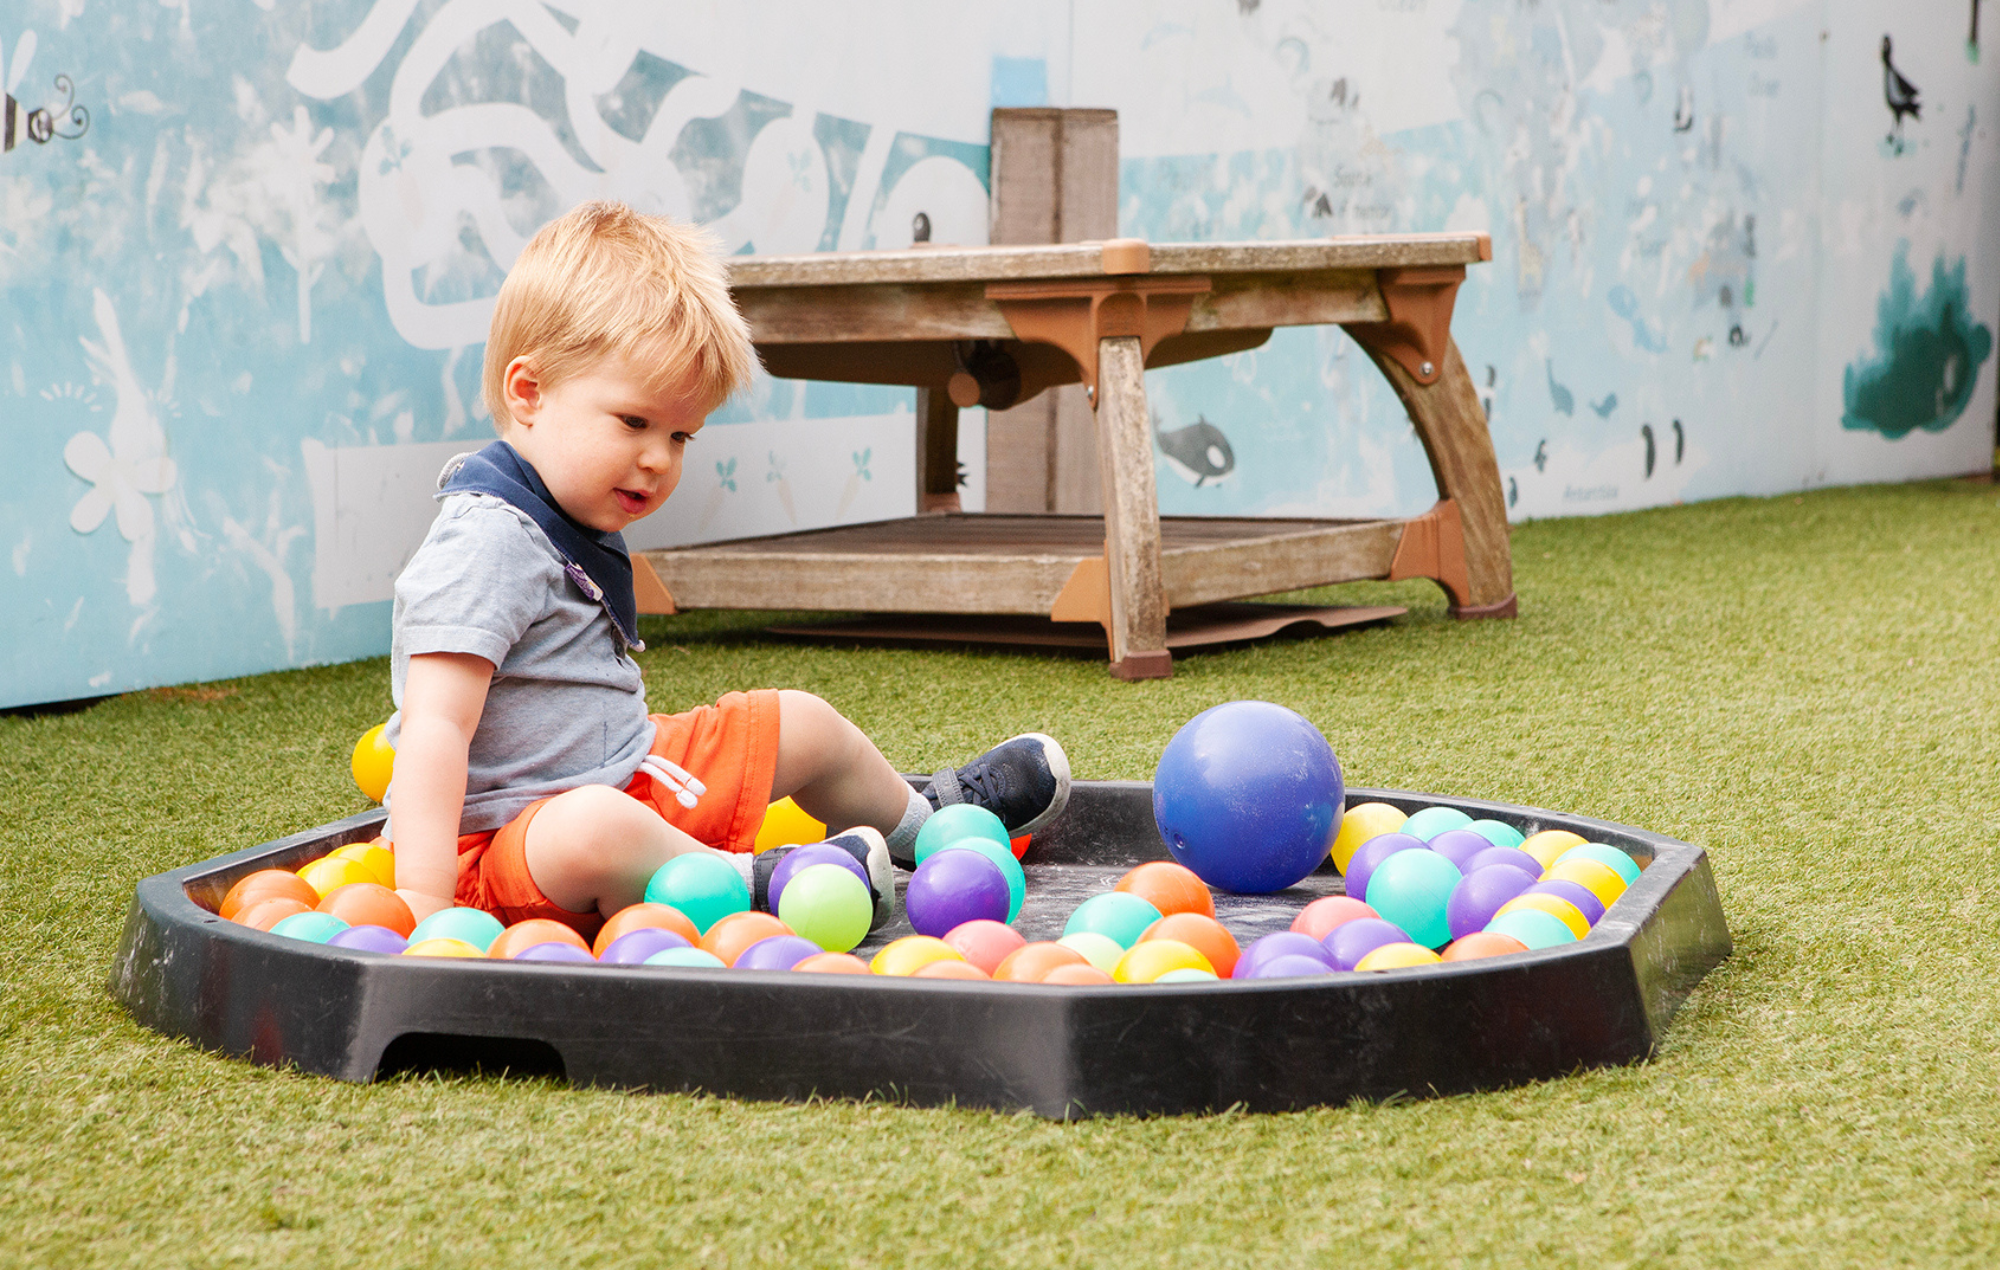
[(832, 770), (595, 847)]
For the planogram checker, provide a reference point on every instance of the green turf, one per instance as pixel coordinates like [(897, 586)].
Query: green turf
[(1803, 685)]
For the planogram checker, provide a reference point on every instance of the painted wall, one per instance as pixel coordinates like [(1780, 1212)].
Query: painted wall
[(247, 252)]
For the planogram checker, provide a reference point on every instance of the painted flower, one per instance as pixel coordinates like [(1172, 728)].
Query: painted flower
[(116, 483)]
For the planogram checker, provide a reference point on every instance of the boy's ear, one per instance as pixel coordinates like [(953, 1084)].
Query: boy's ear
[(521, 389)]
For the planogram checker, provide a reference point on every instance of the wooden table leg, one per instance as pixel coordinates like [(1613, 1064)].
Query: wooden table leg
[(1453, 429), (937, 452), (1138, 631)]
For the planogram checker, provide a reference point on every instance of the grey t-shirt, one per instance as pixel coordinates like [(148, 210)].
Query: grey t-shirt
[(567, 706)]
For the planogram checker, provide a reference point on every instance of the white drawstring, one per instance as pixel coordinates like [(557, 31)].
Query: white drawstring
[(686, 789)]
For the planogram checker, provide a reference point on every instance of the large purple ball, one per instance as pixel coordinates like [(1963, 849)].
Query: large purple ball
[(1589, 905), (955, 886), (1460, 845), (1511, 857), (778, 952), (1248, 795), (555, 950), (634, 946), (1475, 900), (1284, 943), (1288, 966), (804, 858), (1351, 941), (378, 939), (1369, 855)]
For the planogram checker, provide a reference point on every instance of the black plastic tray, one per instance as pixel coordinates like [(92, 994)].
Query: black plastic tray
[(1060, 1051)]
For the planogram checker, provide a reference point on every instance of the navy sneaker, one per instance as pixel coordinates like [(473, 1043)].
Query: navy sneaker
[(861, 842), (1024, 781)]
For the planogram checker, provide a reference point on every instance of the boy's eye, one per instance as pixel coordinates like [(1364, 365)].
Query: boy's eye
[(633, 422), (682, 438)]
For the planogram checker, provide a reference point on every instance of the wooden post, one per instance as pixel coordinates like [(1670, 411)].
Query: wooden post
[(1138, 631), (937, 452)]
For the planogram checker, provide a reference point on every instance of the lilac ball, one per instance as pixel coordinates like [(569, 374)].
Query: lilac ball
[(779, 952), (634, 946), (1512, 857), (378, 939), (1369, 856), (956, 886), (1475, 900), (1351, 941), (1288, 966), (807, 856), (1284, 943), (555, 951), (1589, 905), (1460, 845)]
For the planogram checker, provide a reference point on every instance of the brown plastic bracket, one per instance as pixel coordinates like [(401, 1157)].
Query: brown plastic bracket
[(1433, 546), (1419, 300), (647, 588), (1073, 314), (1157, 664), (1086, 597)]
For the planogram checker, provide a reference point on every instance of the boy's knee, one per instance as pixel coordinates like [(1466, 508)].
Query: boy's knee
[(591, 811)]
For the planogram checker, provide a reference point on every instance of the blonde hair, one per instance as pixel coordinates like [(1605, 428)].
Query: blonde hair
[(603, 280)]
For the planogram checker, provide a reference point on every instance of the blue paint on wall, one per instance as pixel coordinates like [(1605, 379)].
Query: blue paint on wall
[(1020, 81), (1928, 352)]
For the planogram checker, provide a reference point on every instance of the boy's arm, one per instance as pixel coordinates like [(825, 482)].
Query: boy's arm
[(443, 696)]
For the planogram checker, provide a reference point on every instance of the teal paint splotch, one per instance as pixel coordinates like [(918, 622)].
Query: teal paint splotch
[(1928, 352)]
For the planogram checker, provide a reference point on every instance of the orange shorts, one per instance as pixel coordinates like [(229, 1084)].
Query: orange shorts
[(731, 747)]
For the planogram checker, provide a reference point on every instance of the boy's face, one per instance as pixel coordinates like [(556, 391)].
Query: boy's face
[(608, 447)]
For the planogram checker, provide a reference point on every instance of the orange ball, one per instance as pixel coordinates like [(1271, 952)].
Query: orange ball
[(370, 904), (1483, 943), (1084, 976), (640, 917), (1203, 934), (732, 934), (1031, 963), (945, 968), (1020, 845), (1169, 887), (266, 913), (833, 963), (984, 943), (266, 884), (521, 936), (1329, 912)]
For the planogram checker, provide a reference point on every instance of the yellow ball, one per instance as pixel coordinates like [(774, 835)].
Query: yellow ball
[(1398, 957), (1598, 878), (1360, 823), (373, 763), (372, 856), (912, 953), (787, 825), (1550, 843), (1148, 959), (1101, 951), (442, 948), (330, 874), (1555, 906)]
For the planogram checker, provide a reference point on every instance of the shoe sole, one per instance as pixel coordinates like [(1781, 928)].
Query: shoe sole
[(1059, 765)]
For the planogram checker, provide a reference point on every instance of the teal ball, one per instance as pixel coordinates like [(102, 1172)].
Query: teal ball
[(704, 887)]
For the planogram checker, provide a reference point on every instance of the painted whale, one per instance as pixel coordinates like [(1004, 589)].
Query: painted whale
[(1199, 452)]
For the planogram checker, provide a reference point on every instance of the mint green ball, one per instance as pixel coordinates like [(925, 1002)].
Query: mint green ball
[(1119, 916), (1498, 833), (1410, 889), (1187, 974), (1609, 856), (693, 958), (313, 927), (1002, 856), (472, 925), (1432, 821), (828, 905), (705, 888), (1534, 928), (950, 826)]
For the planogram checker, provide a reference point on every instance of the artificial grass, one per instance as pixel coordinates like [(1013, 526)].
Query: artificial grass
[(1803, 685)]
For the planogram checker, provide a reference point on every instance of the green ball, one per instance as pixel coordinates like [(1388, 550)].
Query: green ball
[(473, 926), (704, 887), (314, 927), (951, 825), (1533, 927), (828, 905), (1412, 893), (1002, 856), (1498, 833), (694, 958), (1432, 821), (1620, 863), (1188, 974), (1117, 915)]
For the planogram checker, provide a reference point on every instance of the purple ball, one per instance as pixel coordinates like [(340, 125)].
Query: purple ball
[(634, 946), (953, 887), (1349, 942), (1479, 896), (379, 939), (1369, 856), (1288, 966), (1460, 845), (807, 856), (1589, 905), (1512, 857), (778, 952), (1284, 943), (554, 951)]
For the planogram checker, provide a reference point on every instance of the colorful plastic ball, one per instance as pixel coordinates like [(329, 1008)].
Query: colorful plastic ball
[(1188, 974), (828, 905), (470, 925), (1497, 832), (1289, 966), (1347, 946), (1476, 899), (804, 858), (1459, 846), (984, 944), (1169, 887), (1586, 902), (1320, 918), (1031, 961), (1101, 951), (375, 939), (786, 824), (833, 963), (1284, 943), (1432, 821), (1019, 846), (521, 936), (314, 928), (953, 887), (1076, 976), (1534, 928), (325, 876), (1618, 862), (1398, 957), (1248, 794), (1511, 857), (639, 943), (730, 935), (266, 884), (1204, 934), (946, 968), (374, 856), (1482, 943), (1410, 889), (1549, 844), (1369, 858), (950, 825), (373, 763), (779, 952), (643, 917), (1118, 915), (1360, 823), (905, 956), (705, 887), (555, 950), (266, 913), (1601, 879), (1562, 910), (1151, 958), (370, 904), (443, 947), (685, 959), (1003, 859)]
